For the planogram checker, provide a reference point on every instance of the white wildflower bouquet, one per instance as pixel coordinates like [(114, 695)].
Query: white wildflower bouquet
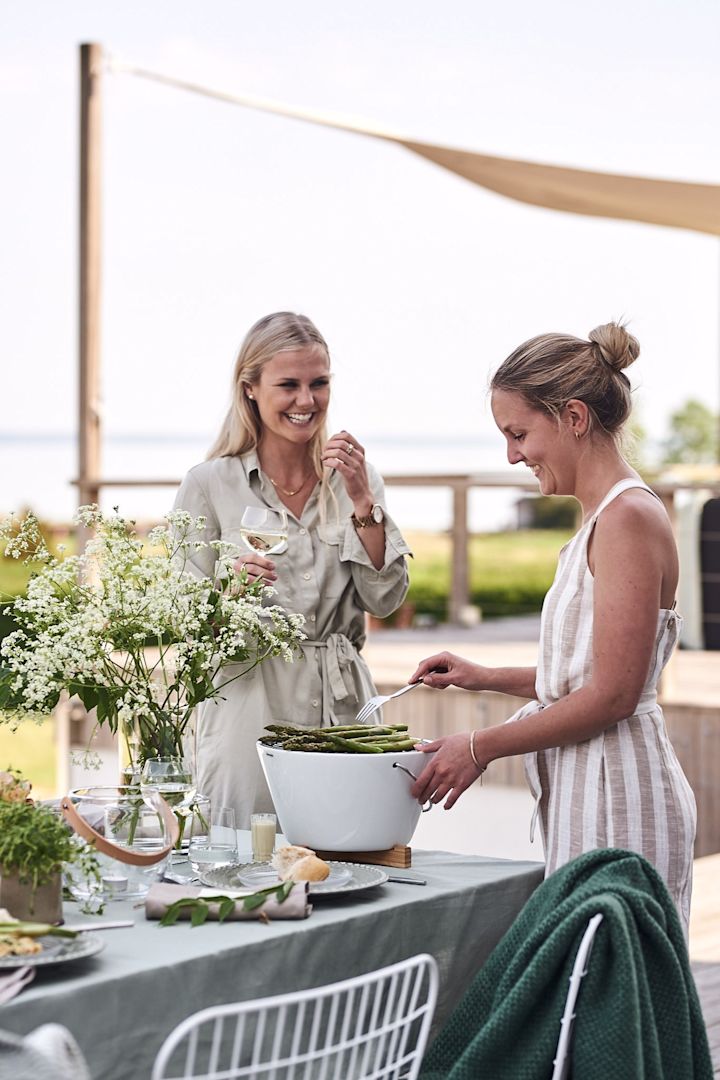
[(133, 630)]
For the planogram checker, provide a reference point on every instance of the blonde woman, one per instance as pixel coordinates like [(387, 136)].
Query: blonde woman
[(598, 758), (344, 557)]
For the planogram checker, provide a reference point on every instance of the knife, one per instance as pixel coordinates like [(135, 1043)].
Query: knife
[(405, 879)]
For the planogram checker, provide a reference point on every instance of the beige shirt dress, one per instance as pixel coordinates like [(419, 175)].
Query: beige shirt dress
[(325, 575)]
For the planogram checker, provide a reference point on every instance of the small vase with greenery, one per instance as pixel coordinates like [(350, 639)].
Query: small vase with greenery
[(36, 846)]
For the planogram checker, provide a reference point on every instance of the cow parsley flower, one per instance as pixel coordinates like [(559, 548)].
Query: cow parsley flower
[(132, 630)]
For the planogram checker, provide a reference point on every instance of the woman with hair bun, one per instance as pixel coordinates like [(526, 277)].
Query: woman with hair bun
[(344, 555), (598, 758)]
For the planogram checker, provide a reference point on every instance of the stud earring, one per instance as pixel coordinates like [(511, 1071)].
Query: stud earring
[(577, 434), (251, 396)]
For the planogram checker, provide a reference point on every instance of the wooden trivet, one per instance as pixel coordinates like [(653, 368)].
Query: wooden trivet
[(399, 856)]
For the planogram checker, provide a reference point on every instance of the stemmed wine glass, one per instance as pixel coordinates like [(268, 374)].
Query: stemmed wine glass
[(172, 777), (264, 531)]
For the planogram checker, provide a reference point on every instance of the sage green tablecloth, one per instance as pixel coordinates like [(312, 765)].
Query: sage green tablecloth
[(122, 1003)]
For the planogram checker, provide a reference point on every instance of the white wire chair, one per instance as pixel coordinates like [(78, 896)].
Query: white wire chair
[(373, 1027), (561, 1062)]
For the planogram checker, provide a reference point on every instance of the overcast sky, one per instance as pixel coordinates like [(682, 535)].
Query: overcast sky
[(422, 283)]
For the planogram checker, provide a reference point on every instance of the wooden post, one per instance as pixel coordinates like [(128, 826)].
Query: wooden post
[(88, 330), (89, 434), (460, 577)]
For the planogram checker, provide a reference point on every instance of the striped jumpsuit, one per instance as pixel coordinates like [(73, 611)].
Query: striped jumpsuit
[(624, 787)]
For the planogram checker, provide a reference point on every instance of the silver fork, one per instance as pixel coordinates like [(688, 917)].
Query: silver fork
[(376, 702)]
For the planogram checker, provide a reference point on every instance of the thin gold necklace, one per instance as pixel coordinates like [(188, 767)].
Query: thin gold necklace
[(290, 493)]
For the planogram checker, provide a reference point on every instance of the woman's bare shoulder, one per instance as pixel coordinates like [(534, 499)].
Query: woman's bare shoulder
[(635, 510)]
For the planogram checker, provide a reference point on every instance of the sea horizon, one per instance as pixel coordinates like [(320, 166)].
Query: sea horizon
[(38, 469)]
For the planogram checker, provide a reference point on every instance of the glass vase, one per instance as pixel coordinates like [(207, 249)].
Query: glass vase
[(125, 818)]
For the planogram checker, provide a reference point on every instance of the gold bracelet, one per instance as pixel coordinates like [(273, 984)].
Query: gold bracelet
[(480, 768)]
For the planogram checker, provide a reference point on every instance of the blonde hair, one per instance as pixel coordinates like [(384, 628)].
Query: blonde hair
[(283, 331), (552, 369)]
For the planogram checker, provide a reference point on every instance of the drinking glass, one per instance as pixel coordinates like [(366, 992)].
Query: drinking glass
[(262, 830), (208, 851), (264, 531), (172, 777)]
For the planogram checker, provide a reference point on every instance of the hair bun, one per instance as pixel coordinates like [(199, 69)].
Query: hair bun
[(617, 347)]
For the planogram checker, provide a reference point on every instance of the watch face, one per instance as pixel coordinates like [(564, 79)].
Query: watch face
[(377, 514)]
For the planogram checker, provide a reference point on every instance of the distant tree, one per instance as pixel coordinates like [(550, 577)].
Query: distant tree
[(634, 444), (693, 435), (550, 512)]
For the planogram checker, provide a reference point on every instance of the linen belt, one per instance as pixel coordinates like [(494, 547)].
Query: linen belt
[(337, 657)]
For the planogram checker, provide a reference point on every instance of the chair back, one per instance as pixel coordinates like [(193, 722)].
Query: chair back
[(561, 1062), (375, 1025)]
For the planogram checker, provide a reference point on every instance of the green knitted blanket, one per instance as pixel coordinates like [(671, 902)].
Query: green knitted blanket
[(637, 1017)]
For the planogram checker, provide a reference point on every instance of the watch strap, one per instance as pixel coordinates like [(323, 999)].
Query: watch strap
[(363, 522), (366, 520)]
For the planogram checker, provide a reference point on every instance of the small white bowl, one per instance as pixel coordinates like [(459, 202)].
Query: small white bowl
[(344, 802)]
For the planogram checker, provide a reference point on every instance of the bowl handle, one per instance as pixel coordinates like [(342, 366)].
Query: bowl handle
[(396, 765)]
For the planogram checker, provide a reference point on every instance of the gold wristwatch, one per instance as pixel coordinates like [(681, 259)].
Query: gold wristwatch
[(375, 517)]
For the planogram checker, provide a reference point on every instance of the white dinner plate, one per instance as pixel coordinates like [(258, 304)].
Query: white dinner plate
[(57, 950), (344, 877)]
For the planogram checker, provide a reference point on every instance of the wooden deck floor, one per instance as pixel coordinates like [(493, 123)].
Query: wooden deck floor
[(705, 946)]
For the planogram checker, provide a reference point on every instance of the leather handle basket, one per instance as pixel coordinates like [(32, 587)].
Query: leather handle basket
[(115, 851)]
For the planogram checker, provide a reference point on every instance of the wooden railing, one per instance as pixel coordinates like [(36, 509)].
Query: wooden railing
[(460, 485)]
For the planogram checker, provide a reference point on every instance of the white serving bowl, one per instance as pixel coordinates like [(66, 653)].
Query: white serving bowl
[(343, 802)]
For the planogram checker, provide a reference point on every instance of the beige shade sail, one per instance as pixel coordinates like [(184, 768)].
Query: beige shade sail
[(578, 191), (676, 203)]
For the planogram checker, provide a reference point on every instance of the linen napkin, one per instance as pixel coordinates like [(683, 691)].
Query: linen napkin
[(161, 895)]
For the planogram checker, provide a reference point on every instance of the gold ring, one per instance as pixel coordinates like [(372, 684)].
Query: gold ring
[(349, 448)]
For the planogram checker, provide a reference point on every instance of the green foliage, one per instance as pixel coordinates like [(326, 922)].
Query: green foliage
[(35, 842), (694, 435), (551, 512)]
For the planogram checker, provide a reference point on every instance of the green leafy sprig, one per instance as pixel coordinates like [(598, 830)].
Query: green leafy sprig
[(199, 907), (35, 843)]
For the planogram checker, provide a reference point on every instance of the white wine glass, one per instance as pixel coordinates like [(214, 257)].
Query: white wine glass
[(264, 531), (172, 777)]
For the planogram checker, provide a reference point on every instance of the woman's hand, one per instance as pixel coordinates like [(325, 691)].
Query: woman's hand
[(257, 567), (451, 771), (446, 669), (344, 453)]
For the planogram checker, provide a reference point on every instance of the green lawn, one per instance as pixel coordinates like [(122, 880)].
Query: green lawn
[(31, 748), (14, 576), (509, 572)]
